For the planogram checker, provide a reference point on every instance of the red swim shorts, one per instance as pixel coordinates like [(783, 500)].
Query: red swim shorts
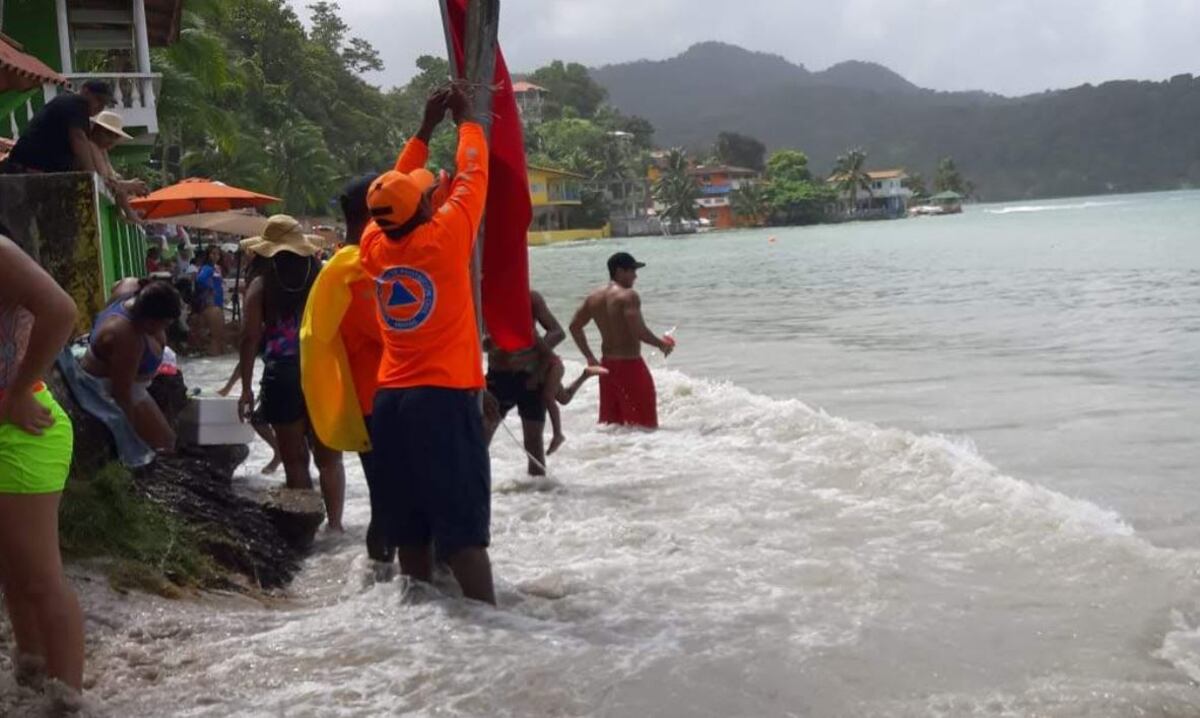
[(627, 394)]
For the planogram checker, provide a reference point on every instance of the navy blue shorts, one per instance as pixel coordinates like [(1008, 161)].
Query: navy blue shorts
[(379, 543), (432, 468), (281, 401)]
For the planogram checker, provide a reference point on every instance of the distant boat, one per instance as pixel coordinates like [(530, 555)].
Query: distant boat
[(942, 203), (686, 226)]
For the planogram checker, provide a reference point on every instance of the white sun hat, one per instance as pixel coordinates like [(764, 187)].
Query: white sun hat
[(112, 122)]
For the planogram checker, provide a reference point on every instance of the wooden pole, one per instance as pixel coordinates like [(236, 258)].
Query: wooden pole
[(449, 31), (479, 70), (481, 40)]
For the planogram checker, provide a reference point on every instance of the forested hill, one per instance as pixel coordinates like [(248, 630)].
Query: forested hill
[(1115, 137)]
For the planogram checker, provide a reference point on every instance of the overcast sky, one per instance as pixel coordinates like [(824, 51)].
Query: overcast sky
[(1007, 46)]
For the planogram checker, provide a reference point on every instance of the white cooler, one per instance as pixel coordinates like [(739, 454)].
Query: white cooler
[(213, 421)]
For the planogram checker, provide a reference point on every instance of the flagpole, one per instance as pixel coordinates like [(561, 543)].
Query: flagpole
[(482, 25), (479, 71), (449, 31)]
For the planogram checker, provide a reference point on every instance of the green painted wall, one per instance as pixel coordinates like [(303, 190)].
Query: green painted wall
[(122, 245), (34, 24), (14, 103), (82, 243)]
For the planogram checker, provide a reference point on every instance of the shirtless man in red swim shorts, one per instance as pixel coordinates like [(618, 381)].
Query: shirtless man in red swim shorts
[(627, 393)]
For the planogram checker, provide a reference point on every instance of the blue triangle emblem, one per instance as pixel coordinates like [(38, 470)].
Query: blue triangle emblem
[(401, 296)]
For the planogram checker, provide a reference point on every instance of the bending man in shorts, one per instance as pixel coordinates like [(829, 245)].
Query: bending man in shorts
[(531, 381), (627, 394)]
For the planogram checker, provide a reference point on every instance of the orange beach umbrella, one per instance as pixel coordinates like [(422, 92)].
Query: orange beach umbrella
[(195, 195)]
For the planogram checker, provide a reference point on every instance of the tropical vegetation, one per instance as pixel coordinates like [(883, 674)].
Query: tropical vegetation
[(850, 176), (251, 96), (256, 96), (751, 204), (1119, 136), (796, 197), (949, 179), (676, 190), (739, 150)]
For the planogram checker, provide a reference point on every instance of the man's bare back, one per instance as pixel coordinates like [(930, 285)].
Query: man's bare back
[(617, 313), (627, 394)]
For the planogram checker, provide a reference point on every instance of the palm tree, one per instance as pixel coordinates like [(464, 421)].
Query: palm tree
[(676, 191), (303, 168), (850, 175), (198, 76), (751, 203)]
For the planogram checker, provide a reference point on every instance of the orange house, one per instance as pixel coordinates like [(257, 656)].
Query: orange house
[(717, 183)]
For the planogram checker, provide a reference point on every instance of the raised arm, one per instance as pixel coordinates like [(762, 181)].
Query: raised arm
[(462, 212), (554, 334), (416, 151), (637, 325), (27, 285), (582, 318)]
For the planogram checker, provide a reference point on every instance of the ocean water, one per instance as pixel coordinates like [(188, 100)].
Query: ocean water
[(934, 467)]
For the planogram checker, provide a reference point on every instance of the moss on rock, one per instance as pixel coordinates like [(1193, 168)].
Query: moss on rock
[(143, 545)]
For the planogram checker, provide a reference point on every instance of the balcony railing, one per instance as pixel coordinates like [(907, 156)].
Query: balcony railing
[(564, 193), (19, 117), (134, 95)]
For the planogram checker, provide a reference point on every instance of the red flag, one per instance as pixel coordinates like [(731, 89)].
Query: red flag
[(507, 312)]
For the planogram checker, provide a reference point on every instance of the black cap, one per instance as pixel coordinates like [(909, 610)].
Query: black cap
[(354, 198), (99, 88), (623, 260)]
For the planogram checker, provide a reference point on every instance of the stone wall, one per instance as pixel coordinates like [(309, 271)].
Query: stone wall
[(258, 537), (54, 217)]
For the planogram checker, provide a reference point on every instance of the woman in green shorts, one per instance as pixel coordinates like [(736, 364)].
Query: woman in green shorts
[(36, 320)]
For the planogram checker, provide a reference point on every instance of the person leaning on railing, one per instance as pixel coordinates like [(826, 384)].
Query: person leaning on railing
[(107, 130), (57, 137)]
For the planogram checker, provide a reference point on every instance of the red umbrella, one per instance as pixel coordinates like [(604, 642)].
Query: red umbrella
[(195, 195)]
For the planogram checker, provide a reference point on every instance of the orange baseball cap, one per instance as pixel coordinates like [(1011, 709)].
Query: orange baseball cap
[(393, 197)]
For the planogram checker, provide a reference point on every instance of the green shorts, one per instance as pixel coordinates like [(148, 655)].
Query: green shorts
[(37, 464)]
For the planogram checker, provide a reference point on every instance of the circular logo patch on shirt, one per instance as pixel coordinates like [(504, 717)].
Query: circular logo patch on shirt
[(405, 296)]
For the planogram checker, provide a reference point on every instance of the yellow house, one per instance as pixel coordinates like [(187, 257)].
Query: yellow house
[(557, 199)]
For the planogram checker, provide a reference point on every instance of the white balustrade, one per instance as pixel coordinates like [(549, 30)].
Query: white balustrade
[(133, 95), (15, 128)]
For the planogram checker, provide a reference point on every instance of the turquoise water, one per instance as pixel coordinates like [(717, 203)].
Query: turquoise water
[(1062, 338), (932, 467)]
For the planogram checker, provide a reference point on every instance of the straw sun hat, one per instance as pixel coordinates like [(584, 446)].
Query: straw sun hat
[(112, 122), (282, 234)]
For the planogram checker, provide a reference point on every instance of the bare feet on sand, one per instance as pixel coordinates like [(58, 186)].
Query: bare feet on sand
[(555, 442)]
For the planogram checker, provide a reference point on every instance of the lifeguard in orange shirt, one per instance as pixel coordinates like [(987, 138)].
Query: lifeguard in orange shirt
[(426, 425)]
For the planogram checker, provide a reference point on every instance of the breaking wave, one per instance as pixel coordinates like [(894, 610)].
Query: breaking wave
[(1023, 209)]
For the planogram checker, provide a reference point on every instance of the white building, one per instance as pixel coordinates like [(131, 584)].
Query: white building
[(531, 100), (887, 196), (108, 40)]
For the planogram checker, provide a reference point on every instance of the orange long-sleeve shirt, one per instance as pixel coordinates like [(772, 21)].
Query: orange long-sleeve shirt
[(364, 348), (423, 291)]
